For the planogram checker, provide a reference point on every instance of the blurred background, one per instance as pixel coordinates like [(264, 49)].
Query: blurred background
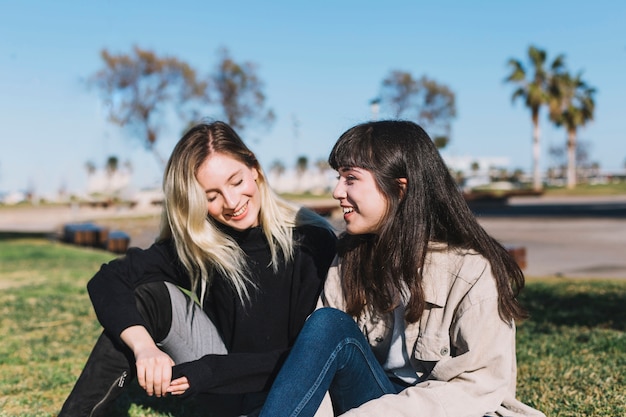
[(524, 100), (293, 76)]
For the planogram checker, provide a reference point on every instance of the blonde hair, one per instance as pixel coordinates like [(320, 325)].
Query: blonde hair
[(202, 247)]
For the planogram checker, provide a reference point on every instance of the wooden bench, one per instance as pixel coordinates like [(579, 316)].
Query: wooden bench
[(118, 242), (519, 254), (92, 235)]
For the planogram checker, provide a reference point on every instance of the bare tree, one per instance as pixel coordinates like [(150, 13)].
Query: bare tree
[(240, 92), (140, 89), (143, 90), (428, 102), (399, 92), (437, 110)]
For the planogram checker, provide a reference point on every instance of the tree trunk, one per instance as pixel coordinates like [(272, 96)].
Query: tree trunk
[(571, 159), (537, 184)]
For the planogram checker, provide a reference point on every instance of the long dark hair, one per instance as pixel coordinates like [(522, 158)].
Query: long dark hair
[(430, 208)]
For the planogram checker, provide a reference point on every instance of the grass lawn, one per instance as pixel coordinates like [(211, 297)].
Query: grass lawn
[(617, 188), (571, 353)]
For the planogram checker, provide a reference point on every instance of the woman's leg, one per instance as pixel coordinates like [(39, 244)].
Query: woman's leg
[(110, 366), (105, 375), (330, 354), (191, 334)]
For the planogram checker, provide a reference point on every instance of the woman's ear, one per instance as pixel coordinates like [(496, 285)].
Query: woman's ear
[(402, 182)]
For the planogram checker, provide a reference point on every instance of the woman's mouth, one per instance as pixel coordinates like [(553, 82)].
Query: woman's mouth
[(240, 212)]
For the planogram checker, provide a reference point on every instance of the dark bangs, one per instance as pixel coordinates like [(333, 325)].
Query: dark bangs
[(355, 148)]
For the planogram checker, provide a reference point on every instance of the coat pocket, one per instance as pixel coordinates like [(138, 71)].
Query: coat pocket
[(431, 348)]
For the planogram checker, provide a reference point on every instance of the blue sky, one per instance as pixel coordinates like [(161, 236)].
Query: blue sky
[(321, 61)]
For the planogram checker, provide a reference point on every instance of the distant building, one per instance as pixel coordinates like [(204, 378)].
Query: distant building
[(14, 197), (477, 165), (475, 171), (313, 181)]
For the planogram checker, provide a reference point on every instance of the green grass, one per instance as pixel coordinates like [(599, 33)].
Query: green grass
[(571, 352), (617, 188), (581, 190), (46, 322)]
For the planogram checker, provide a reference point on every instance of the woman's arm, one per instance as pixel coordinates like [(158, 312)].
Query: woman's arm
[(154, 367), (112, 289), (240, 372), (474, 382), (474, 351)]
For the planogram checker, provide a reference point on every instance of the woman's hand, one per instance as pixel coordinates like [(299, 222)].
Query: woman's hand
[(154, 367), (154, 370), (178, 386)]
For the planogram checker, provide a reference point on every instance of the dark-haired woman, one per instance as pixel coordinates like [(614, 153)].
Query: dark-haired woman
[(417, 313)]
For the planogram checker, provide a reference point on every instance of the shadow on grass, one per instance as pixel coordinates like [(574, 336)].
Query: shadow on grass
[(26, 235), (585, 304), (135, 396), (201, 405)]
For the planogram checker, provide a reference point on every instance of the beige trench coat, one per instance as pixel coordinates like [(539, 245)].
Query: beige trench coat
[(465, 351)]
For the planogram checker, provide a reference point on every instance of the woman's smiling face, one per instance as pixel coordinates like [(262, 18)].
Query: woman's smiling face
[(231, 190), (364, 205)]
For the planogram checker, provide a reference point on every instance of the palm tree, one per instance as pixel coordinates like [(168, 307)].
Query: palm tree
[(277, 167), (535, 92), (302, 164), (112, 165), (572, 106)]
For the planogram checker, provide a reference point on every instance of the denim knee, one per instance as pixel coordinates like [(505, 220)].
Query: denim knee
[(329, 324), (329, 316)]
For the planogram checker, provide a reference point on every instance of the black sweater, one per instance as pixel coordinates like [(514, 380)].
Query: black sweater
[(257, 334)]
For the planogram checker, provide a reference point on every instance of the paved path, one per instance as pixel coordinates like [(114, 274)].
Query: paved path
[(571, 246), (580, 247), (564, 236)]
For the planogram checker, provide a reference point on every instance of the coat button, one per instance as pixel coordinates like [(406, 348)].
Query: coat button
[(444, 351)]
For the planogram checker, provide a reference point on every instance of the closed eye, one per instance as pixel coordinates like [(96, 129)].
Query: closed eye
[(350, 179)]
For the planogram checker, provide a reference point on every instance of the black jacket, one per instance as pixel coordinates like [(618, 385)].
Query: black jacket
[(257, 334)]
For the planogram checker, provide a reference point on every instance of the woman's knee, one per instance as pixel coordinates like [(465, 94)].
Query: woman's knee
[(329, 315), (330, 321), (155, 306)]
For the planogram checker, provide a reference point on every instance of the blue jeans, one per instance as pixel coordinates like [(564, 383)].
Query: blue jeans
[(330, 354)]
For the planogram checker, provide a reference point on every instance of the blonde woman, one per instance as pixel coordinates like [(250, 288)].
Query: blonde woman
[(214, 305)]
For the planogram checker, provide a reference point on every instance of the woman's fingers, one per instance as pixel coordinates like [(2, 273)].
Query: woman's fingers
[(166, 376), (178, 386), (154, 371)]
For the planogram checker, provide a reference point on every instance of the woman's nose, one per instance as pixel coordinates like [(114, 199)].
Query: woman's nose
[(230, 200), (339, 191)]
